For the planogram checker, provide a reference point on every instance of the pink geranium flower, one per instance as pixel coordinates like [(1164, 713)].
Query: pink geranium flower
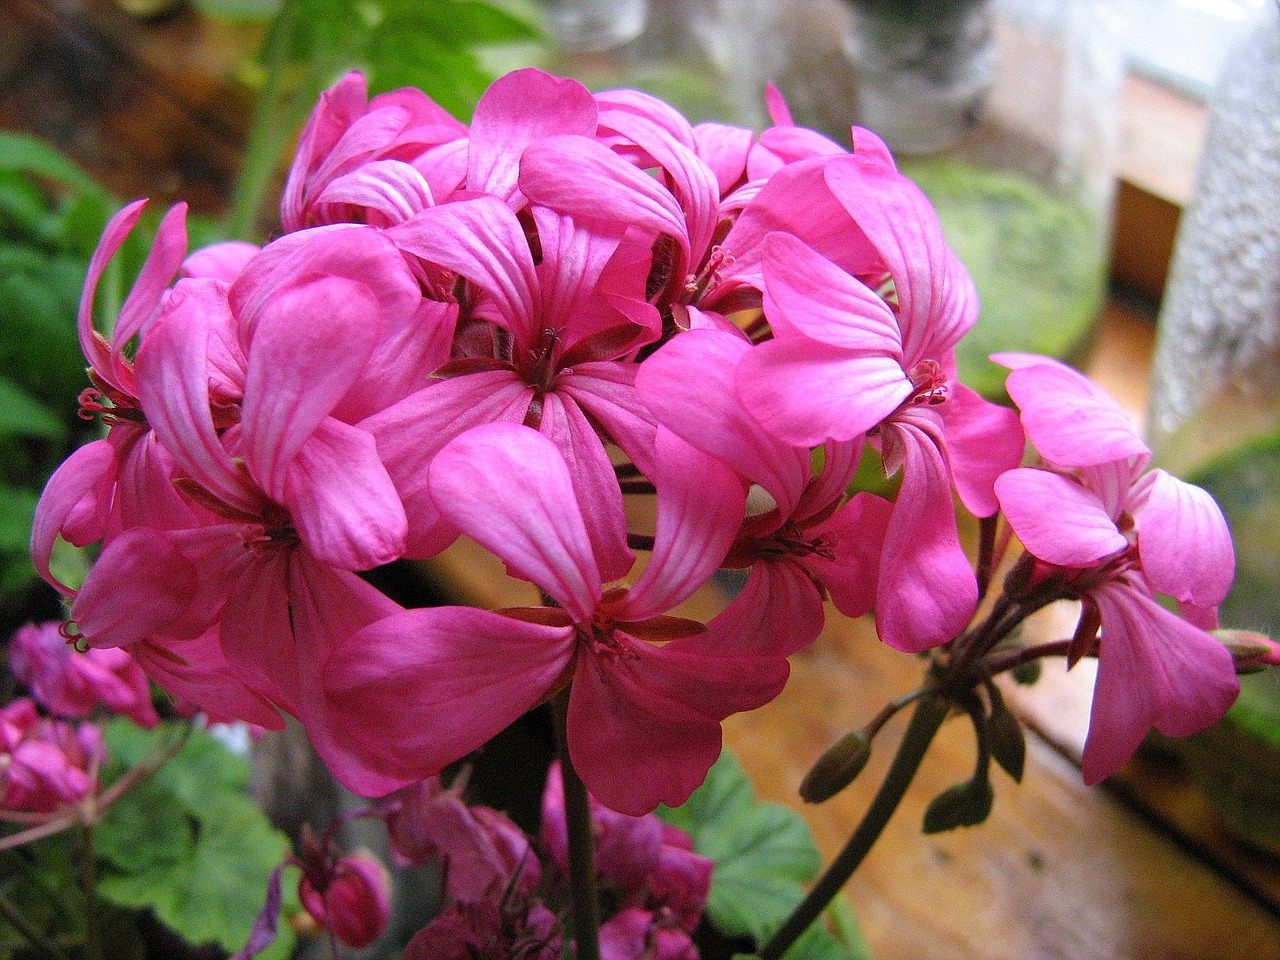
[(46, 763), (428, 686), (72, 684), (852, 360), (1118, 534)]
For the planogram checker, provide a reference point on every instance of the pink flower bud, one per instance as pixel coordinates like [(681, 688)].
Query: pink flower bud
[(45, 764), (356, 902)]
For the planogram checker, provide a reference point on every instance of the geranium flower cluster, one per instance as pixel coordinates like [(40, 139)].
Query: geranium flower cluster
[(504, 894), (511, 330)]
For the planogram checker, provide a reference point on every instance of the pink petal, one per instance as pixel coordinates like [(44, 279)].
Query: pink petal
[(140, 585), (423, 688), (855, 534), (701, 503), (808, 295), (409, 435), (1153, 670), (606, 391), (310, 343), (1185, 544), (196, 671), (983, 441), (805, 392), (724, 149), (390, 190), (689, 385), (604, 187), (75, 503), (1057, 519), (342, 501), (219, 261), (644, 728), (778, 611), (1070, 420), (162, 265), (594, 481), (927, 590), (519, 109), (936, 301), (508, 487), (482, 240), (173, 388)]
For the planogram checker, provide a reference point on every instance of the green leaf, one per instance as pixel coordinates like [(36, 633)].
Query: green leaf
[(145, 830), (764, 852), (1005, 738), (964, 805), (17, 508), (23, 415), (36, 158)]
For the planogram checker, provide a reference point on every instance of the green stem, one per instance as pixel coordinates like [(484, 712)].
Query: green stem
[(89, 884), (925, 721), (266, 135), (42, 944), (582, 865)]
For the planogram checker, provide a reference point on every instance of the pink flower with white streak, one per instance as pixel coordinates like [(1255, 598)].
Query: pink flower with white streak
[(428, 686), (72, 684), (1118, 534), (871, 356)]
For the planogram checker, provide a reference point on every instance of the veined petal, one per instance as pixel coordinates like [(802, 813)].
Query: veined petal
[(598, 494), (196, 671), (701, 503), (410, 433), (481, 239), (75, 503), (1153, 670), (1184, 542), (522, 108), (603, 187), (508, 487), (689, 385), (927, 589), (391, 189), (423, 688), (807, 294), (1070, 420), (310, 343), (935, 300), (644, 727), (173, 388), (96, 348), (778, 611), (856, 534), (606, 391), (140, 585), (342, 501), (162, 265), (1057, 519), (724, 149), (984, 440), (805, 392)]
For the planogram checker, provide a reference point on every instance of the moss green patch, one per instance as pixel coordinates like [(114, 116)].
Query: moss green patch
[(1034, 259)]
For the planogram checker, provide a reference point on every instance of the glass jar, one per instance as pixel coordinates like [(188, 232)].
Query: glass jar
[(1214, 418)]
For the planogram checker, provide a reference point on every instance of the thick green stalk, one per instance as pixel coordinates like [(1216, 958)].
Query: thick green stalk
[(582, 860), (925, 721), (266, 135)]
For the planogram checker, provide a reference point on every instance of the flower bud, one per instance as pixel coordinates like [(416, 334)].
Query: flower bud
[(1252, 652), (356, 903), (836, 768)]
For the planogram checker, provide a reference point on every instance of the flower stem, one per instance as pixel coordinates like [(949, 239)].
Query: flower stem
[(925, 721), (582, 865), (42, 944)]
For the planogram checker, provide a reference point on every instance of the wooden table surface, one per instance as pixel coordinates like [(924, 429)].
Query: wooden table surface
[(1135, 870)]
